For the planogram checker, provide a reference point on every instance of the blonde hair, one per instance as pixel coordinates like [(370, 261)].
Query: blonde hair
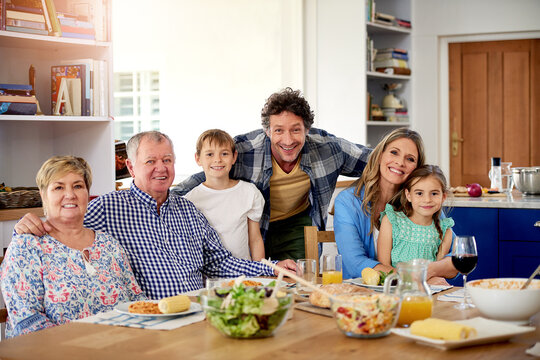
[(57, 166), (217, 136), (400, 202), (369, 181)]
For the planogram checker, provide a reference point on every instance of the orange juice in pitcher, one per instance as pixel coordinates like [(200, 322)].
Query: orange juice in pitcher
[(412, 288), (414, 308)]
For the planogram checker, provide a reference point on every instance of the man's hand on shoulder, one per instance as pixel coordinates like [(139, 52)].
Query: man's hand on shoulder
[(32, 224), (286, 264)]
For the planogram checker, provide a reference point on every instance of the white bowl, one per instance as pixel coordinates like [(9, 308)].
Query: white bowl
[(501, 299)]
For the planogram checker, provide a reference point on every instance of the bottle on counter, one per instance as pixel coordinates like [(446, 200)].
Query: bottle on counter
[(495, 173)]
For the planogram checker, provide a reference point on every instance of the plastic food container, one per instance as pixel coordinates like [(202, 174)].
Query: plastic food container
[(366, 316)]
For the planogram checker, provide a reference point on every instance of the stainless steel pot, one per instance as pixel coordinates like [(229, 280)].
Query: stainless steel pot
[(527, 179)]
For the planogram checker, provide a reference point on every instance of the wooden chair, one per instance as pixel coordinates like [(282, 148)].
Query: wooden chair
[(312, 238)]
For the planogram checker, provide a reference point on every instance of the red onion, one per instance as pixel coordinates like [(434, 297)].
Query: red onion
[(474, 190)]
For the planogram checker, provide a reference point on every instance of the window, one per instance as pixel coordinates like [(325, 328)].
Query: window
[(136, 103)]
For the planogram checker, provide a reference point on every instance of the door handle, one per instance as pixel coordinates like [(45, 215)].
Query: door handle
[(455, 143)]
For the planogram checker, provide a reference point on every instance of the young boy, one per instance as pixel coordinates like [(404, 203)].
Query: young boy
[(232, 207)]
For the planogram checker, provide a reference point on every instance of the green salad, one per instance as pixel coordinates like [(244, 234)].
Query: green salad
[(246, 312)]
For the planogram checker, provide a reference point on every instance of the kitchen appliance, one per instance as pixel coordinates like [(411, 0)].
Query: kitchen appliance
[(527, 179)]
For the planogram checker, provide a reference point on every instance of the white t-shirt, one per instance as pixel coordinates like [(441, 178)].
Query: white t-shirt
[(228, 212)]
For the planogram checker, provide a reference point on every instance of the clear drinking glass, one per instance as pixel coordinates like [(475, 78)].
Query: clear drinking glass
[(305, 268), (507, 180), (464, 259), (332, 269)]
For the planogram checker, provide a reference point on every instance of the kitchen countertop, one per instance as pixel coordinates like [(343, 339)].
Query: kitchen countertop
[(515, 200)]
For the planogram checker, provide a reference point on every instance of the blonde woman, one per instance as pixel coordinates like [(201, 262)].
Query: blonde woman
[(70, 273), (357, 209)]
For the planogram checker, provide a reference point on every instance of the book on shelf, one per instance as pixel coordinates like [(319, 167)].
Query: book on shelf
[(50, 9), (370, 10), (63, 88), (390, 63), (403, 23), (30, 7), (85, 12), (96, 85), (384, 55), (17, 108), (384, 19), (21, 87), (88, 81), (18, 98), (21, 15), (394, 70), (72, 27), (2, 14), (27, 30), (26, 24)]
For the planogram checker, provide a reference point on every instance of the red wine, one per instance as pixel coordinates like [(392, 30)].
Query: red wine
[(465, 263)]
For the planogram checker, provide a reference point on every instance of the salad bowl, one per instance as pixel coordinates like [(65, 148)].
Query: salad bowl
[(366, 316), (246, 312)]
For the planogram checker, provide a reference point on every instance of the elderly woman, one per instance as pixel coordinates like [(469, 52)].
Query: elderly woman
[(357, 209), (70, 273)]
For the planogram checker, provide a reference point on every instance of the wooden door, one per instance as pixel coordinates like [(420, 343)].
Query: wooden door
[(494, 107)]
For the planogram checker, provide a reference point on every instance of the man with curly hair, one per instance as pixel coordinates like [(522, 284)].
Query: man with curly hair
[(295, 167)]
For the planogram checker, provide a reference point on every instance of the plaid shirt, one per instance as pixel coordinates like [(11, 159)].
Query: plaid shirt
[(324, 158), (170, 251)]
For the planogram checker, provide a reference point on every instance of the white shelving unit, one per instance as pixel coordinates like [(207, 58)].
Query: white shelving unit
[(27, 141), (385, 36)]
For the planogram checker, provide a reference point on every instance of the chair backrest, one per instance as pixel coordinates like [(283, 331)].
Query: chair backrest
[(312, 238), (3, 311)]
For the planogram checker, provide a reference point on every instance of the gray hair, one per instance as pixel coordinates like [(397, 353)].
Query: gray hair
[(133, 143)]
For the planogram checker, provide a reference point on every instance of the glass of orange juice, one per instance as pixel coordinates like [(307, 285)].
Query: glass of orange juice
[(332, 271)]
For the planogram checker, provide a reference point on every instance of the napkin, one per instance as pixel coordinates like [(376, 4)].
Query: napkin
[(161, 323), (438, 288), (456, 296), (535, 350)]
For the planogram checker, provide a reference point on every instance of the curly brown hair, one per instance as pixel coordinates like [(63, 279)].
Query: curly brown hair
[(287, 100)]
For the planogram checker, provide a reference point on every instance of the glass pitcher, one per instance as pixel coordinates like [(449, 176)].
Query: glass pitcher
[(412, 288)]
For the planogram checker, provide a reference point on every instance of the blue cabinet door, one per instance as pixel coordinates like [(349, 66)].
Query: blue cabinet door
[(519, 242), (518, 258), (483, 224)]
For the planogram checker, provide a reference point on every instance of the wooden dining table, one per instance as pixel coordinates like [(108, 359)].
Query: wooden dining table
[(304, 336)]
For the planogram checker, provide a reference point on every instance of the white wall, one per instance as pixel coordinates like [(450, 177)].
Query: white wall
[(335, 65), (218, 61), (437, 22)]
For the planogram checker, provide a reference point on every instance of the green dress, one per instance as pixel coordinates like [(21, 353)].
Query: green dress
[(411, 241)]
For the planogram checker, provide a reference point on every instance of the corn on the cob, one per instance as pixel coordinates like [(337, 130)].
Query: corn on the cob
[(174, 304), (370, 276)]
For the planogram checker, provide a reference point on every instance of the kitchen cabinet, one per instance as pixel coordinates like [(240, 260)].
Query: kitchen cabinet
[(482, 224), (507, 239)]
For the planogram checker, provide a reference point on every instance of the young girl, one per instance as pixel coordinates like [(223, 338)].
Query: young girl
[(411, 227)]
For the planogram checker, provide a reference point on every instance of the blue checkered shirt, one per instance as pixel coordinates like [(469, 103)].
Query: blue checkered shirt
[(324, 158), (170, 251)]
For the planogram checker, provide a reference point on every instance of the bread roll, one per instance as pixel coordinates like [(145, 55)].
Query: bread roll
[(442, 329), (370, 276), (318, 299)]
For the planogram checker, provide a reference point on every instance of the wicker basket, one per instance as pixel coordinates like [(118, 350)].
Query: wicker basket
[(20, 198)]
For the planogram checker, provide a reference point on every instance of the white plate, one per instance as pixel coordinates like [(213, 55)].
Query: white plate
[(123, 309), (488, 331), (360, 282)]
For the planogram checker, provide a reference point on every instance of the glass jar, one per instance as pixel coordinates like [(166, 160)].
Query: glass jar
[(412, 288)]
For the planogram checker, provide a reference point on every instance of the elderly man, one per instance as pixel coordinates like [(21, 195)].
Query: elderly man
[(170, 244), (295, 167)]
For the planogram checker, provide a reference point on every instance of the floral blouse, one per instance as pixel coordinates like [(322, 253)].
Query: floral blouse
[(46, 283)]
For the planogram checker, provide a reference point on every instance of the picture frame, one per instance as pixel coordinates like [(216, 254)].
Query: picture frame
[(120, 160)]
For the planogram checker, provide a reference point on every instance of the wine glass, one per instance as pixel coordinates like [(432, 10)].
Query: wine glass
[(464, 259)]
